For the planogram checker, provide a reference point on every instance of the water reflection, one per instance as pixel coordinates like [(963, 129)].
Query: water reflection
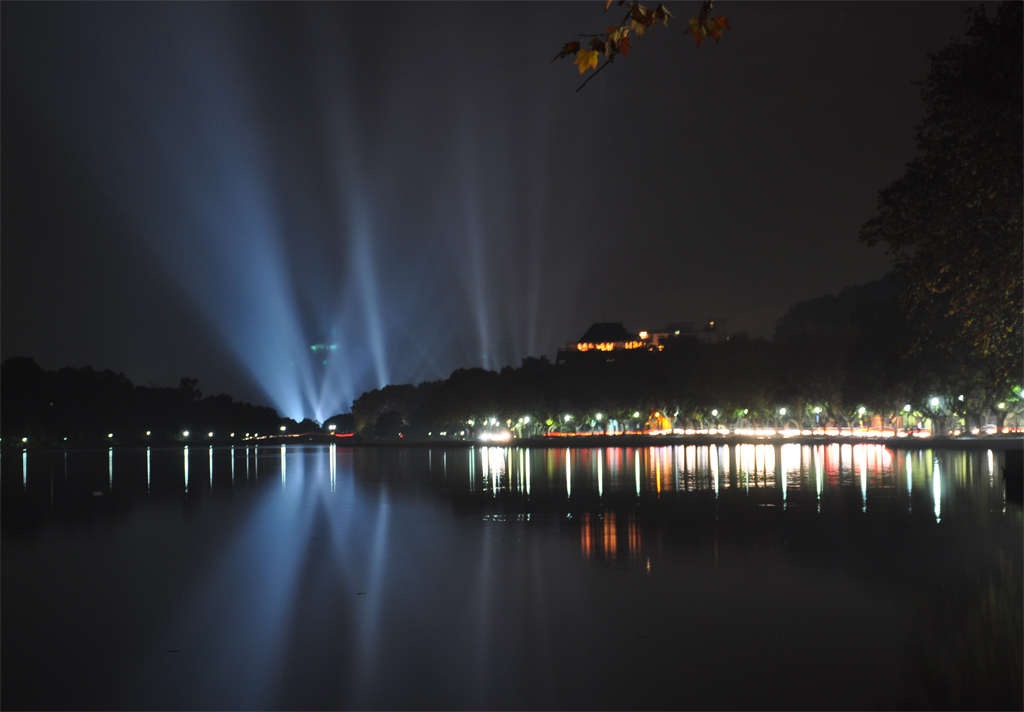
[(470, 571)]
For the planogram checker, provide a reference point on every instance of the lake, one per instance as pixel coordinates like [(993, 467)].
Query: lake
[(788, 576)]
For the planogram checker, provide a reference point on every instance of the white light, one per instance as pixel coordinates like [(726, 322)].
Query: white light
[(282, 428), (209, 434), (332, 426), (598, 416), (185, 433), (906, 408), (714, 412), (25, 440), (1001, 406), (110, 435), (782, 411), (862, 410), (935, 402), (567, 418), (636, 414), (147, 433), (817, 409), (526, 419)]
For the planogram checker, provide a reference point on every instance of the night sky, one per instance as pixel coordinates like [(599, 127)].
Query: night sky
[(210, 189)]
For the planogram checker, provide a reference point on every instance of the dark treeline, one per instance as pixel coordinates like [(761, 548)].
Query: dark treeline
[(81, 406), (837, 360), (834, 361)]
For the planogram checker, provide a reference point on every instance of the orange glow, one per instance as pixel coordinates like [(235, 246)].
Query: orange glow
[(610, 538), (634, 537), (586, 537)]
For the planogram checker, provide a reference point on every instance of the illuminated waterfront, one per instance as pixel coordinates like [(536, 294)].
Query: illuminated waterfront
[(732, 576)]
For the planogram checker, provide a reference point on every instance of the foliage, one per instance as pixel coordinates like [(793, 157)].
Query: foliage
[(616, 39), (81, 406), (953, 221)]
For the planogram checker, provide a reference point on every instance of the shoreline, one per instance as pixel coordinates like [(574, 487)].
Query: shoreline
[(579, 442)]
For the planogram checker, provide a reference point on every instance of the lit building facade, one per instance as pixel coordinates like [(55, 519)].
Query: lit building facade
[(608, 338)]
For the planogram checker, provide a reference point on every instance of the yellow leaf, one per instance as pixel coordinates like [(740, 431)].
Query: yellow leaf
[(586, 59)]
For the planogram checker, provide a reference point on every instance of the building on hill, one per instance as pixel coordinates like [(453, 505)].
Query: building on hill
[(609, 338)]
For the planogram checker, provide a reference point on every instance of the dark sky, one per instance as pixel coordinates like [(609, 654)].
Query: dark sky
[(208, 189)]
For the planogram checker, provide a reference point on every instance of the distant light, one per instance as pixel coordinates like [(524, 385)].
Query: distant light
[(643, 334), (817, 409), (636, 414), (232, 435), (568, 418), (906, 408), (714, 412), (332, 426), (745, 411), (469, 423), (598, 416), (25, 440), (282, 428), (209, 434), (526, 419), (961, 397), (147, 433), (862, 410), (1001, 406), (185, 433), (782, 411), (935, 402), (110, 435)]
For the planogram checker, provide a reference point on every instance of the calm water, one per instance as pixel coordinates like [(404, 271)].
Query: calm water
[(747, 577)]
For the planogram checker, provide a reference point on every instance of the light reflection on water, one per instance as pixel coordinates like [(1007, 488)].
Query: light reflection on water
[(498, 576)]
